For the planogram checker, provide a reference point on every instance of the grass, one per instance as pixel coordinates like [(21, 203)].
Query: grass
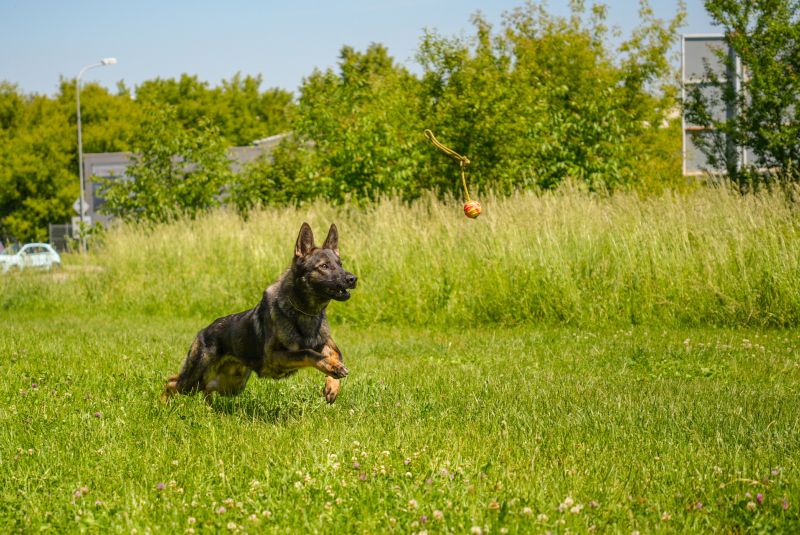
[(712, 257), (494, 427), (564, 362)]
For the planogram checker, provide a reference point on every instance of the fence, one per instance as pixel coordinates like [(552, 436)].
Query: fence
[(61, 237)]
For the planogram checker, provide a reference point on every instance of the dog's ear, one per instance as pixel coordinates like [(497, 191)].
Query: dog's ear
[(332, 241), (305, 241)]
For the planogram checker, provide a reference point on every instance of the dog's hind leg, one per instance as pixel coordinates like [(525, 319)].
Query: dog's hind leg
[(191, 377), (171, 389)]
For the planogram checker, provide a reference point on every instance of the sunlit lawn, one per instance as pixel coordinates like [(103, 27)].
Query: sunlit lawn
[(493, 430)]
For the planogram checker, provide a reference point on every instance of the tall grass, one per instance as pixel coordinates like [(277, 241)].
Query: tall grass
[(712, 256)]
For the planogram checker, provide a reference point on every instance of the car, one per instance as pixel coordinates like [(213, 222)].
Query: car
[(30, 256)]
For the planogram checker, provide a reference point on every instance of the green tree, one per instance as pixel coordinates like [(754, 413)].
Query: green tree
[(765, 34), (238, 108), (542, 99), (279, 177), (363, 127), (548, 98), (176, 170), (39, 153)]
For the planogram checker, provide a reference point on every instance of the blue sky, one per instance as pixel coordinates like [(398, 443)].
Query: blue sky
[(282, 41)]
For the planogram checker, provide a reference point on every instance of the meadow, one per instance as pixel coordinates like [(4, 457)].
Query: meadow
[(565, 363)]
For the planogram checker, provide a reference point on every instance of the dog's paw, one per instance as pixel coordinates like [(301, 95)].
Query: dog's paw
[(333, 368), (331, 389), (339, 371)]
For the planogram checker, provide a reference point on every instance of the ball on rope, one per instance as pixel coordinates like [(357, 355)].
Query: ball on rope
[(472, 209)]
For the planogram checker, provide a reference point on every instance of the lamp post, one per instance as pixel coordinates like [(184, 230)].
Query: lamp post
[(106, 61)]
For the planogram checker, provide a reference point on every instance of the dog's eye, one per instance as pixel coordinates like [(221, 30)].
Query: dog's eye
[(324, 266)]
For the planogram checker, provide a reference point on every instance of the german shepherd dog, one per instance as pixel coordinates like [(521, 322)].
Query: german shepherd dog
[(286, 331)]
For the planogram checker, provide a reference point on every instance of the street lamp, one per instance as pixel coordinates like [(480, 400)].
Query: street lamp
[(106, 61)]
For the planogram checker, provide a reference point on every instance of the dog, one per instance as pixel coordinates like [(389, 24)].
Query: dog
[(286, 331)]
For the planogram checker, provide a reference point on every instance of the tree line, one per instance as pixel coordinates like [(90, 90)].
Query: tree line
[(38, 135), (535, 101)]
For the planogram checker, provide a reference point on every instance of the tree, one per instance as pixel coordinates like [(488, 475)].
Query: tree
[(176, 170), (765, 35), (279, 177), (544, 99), (362, 126), (548, 98), (238, 108), (39, 152)]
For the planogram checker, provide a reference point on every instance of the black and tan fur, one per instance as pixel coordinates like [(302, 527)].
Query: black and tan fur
[(286, 331)]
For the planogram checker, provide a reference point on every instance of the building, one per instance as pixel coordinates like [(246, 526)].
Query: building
[(115, 164)]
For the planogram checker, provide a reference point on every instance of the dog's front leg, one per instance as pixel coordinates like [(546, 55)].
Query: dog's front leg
[(331, 352), (294, 359)]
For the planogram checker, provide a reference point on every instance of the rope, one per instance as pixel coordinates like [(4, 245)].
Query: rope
[(462, 161)]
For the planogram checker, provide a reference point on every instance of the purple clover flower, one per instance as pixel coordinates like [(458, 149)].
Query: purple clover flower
[(785, 504), (774, 472), (97, 415), (760, 497), (161, 486), (24, 393), (423, 519), (429, 481), (77, 494), (33, 385), (356, 465), (699, 506)]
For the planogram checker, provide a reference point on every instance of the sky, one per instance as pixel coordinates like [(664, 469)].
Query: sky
[(283, 41)]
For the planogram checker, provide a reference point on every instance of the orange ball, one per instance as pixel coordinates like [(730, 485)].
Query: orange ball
[(472, 209)]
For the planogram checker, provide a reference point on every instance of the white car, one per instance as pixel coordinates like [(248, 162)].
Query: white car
[(30, 255)]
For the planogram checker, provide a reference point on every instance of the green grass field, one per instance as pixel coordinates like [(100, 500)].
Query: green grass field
[(460, 429), (566, 362)]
